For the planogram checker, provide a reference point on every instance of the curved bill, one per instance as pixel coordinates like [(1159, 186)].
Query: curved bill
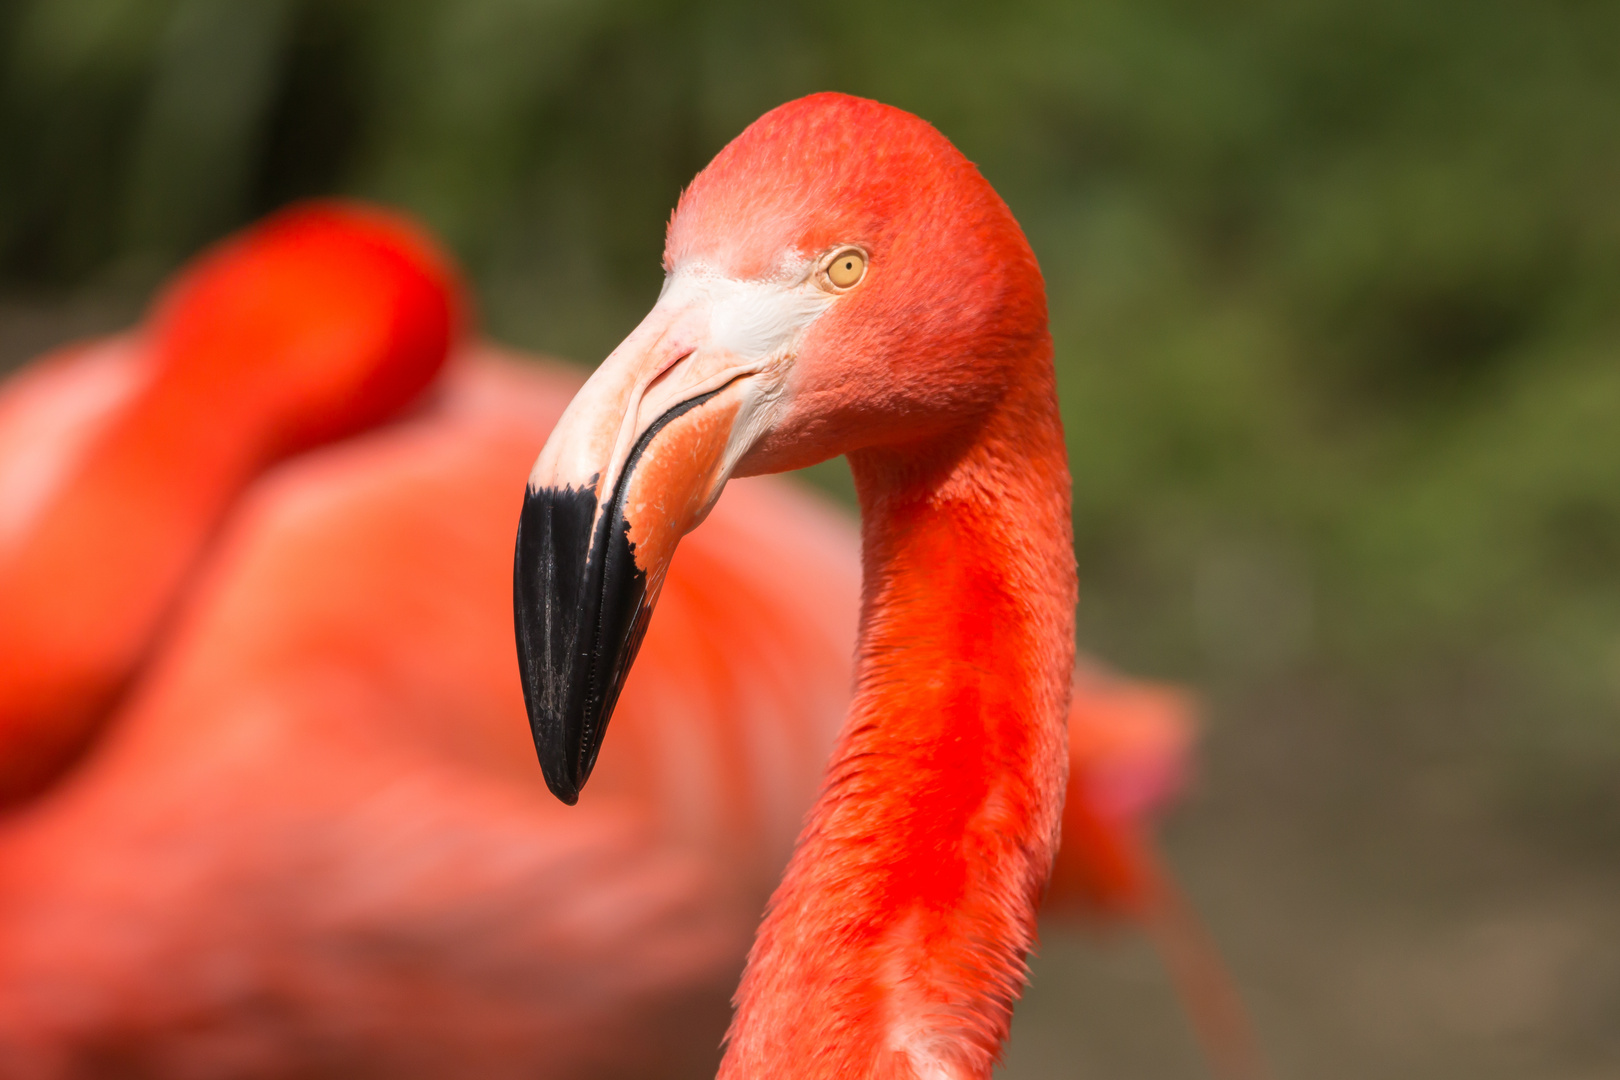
[(636, 461)]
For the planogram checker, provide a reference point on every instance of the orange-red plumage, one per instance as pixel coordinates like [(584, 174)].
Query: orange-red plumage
[(909, 904), (314, 842), (312, 839), (349, 315)]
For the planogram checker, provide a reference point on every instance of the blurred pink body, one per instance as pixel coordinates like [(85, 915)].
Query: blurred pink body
[(312, 839), (316, 840), (123, 459)]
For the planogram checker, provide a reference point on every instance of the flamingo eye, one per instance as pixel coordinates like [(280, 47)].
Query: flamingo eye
[(846, 268)]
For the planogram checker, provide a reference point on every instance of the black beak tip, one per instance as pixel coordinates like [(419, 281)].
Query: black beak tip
[(580, 604), (557, 754), (567, 793), (579, 610)]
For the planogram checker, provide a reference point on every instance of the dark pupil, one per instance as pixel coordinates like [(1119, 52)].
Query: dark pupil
[(849, 265)]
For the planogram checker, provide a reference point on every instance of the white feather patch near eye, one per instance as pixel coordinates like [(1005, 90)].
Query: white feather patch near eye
[(752, 320)]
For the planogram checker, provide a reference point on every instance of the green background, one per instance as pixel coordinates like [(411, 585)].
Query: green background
[(1334, 287)]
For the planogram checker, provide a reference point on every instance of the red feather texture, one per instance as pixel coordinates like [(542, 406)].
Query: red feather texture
[(313, 839), (895, 944), (317, 324)]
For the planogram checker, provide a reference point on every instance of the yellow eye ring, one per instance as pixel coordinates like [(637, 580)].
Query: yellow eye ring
[(846, 268)]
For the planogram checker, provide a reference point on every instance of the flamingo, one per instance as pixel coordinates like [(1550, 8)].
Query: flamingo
[(841, 280), (95, 533), (284, 820)]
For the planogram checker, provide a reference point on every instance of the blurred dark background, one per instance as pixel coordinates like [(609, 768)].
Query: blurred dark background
[(1336, 291)]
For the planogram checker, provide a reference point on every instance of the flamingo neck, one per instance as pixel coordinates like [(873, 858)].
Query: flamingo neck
[(895, 944), (150, 483)]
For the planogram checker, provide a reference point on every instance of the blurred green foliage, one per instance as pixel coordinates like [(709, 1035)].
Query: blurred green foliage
[(1333, 282)]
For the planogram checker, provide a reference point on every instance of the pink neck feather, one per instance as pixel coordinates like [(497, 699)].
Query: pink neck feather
[(895, 945)]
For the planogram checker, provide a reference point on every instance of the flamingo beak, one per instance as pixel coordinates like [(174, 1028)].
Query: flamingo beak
[(635, 463)]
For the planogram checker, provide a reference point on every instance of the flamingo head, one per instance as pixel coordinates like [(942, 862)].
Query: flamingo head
[(323, 320), (839, 278)]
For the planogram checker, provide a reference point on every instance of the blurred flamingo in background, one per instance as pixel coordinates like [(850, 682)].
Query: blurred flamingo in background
[(274, 809), (120, 458)]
